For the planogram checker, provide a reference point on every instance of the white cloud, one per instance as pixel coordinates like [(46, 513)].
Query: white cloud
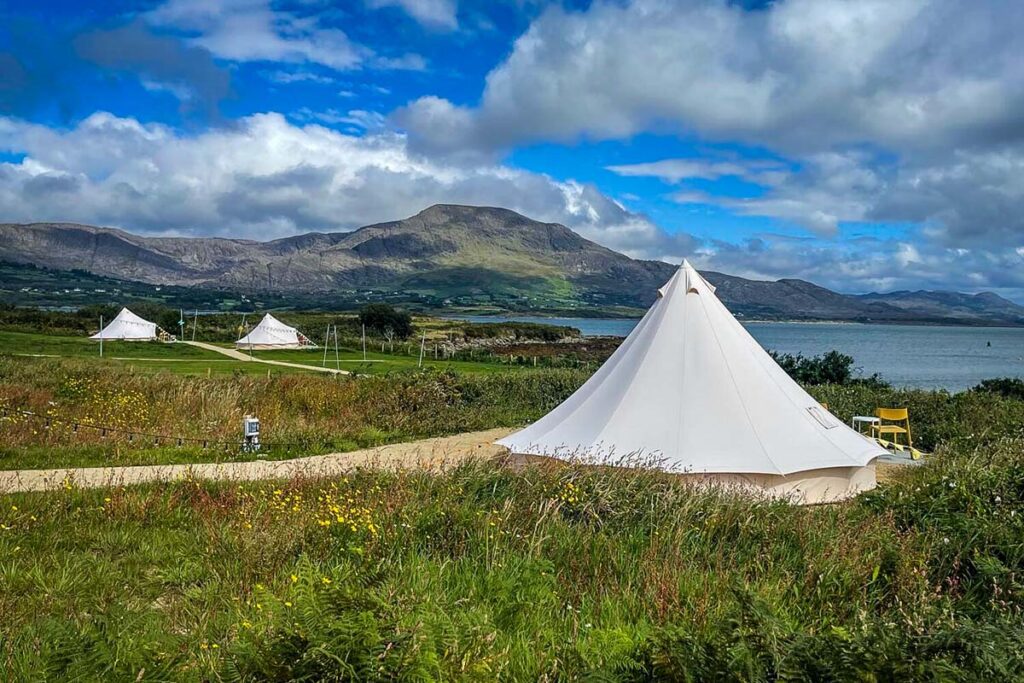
[(266, 177), (888, 111), (438, 14), (801, 75), (253, 30)]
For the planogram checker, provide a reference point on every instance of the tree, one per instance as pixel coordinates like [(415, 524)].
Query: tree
[(385, 320)]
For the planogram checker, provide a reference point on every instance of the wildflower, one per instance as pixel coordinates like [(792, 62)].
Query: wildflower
[(326, 580), (287, 604), (294, 578), (14, 508)]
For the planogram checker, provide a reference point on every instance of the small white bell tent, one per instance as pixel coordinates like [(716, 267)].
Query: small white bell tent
[(129, 327), (271, 333), (692, 391)]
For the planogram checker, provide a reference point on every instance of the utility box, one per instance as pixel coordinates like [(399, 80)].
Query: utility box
[(251, 432)]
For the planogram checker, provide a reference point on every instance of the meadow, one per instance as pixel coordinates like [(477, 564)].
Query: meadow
[(486, 572), (552, 573)]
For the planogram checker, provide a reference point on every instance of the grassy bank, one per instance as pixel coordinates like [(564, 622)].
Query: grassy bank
[(549, 574)]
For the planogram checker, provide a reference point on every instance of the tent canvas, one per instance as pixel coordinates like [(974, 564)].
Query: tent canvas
[(128, 327), (691, 390), (271, 333)]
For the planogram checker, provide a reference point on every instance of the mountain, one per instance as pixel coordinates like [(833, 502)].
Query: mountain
[(982, 308), (450, 255)]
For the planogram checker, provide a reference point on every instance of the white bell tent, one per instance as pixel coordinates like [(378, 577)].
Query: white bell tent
[(128, 327), (691, 391), (271, 333)]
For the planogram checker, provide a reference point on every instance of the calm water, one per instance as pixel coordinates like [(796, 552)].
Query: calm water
[(952, 358)]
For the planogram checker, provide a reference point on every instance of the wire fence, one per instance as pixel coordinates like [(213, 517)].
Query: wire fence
[(80, 426)]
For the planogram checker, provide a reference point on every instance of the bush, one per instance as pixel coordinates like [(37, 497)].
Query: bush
[(383, 319), (830, 368), (1007, 387)]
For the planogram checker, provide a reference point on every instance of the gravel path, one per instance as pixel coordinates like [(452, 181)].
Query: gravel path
[(432, 454)]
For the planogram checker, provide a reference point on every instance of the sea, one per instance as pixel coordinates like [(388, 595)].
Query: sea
[(924, 357)]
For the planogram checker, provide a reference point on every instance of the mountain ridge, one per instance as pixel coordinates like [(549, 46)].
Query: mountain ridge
[(462, 256)]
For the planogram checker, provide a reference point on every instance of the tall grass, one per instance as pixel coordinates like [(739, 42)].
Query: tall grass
[(310, 413), (313, 413), (551, 573), (483, 573)]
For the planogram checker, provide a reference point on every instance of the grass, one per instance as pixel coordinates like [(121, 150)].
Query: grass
[(484, 573), (310, 413), (551, 573), (183, 359), (179, 359), (380, 363)]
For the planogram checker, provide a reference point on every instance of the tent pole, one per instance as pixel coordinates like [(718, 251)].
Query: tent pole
[(423, 343), (364, 343), (101, 336), (327, 340)]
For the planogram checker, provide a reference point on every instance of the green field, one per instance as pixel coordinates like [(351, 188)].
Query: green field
[(182, 358), (377, 362)]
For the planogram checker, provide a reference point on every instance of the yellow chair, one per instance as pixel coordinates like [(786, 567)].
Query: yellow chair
[(888, 416)]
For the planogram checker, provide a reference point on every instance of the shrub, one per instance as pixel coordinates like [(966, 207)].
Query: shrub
[(384, 319), (1007, 387), (830, 368)]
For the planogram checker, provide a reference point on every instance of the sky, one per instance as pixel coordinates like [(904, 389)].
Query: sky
[(865, 145)]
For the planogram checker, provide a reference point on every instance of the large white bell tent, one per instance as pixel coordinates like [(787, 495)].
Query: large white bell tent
[(129, 327), (271, 333), (692, 392)]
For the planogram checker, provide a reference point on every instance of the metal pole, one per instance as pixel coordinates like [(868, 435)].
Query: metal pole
[(195, 324), (364, 343), (327, 340), (101, 336), (423, 343), (337, 360)]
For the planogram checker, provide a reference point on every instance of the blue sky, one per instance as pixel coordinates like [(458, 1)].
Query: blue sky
[(869, 145)]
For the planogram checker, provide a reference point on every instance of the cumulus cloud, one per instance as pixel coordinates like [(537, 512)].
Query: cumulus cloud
[(266, 177), (884, 111), (799, 74), (869, 264)]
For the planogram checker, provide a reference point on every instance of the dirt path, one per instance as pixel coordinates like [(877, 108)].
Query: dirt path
[(435, 454), (238, 355), (431, 454)]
